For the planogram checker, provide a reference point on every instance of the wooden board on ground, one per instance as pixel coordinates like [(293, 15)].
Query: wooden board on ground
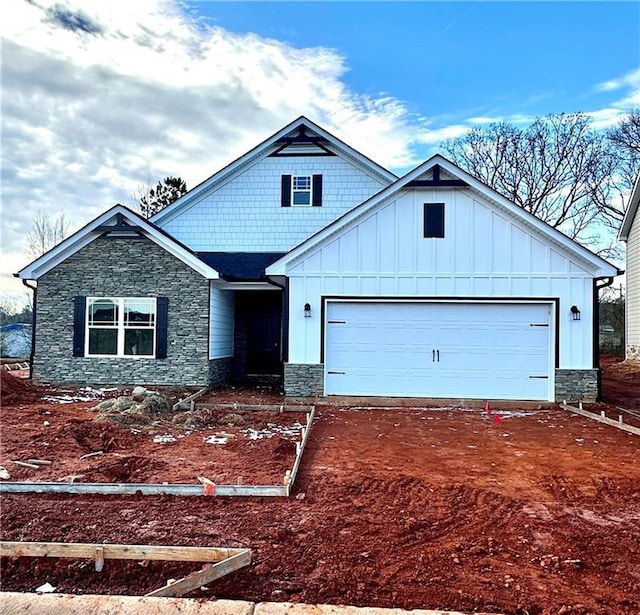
[(202, 577), (118, 551), (601, 418)]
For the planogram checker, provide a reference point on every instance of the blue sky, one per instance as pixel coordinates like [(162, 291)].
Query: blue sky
[(103, 99), (459, 59)]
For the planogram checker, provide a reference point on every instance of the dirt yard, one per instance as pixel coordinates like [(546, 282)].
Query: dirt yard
[(535, 512)]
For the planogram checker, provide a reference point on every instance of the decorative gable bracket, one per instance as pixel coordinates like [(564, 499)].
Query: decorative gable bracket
[(436, 182), (300, 140), (120, 226)]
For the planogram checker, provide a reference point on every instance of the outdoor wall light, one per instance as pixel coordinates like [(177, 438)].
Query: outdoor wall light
[(307, 310), (575, 312)]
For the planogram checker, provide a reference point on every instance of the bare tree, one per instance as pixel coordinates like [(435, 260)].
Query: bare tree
[(46, 232), (555, 168), (624, 166)]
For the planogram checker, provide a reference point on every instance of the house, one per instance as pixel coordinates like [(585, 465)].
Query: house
[(630, 234), (306, 262), (15, 340)]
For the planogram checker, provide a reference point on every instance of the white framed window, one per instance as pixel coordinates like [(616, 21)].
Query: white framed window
[(120, 327), (301, 190)]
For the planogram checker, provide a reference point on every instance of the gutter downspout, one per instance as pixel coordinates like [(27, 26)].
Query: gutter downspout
[(33, 326), (606, 281)]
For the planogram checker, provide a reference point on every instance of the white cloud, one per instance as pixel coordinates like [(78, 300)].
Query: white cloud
[(631, 81), (100, 98)]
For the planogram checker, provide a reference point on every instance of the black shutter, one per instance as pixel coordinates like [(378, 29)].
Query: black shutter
[(79, 310), (434, 219), (285, 197), (317, 190), (162, 313)]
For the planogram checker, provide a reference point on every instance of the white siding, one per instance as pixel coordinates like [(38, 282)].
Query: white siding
[(633, 284), (484, 254), (245, 215), (221, 308)]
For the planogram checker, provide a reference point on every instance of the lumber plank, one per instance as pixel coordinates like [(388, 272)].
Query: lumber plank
[(602, 419), (143, 488), (187, 402), (300, 450), (204, 576), (116, 551)]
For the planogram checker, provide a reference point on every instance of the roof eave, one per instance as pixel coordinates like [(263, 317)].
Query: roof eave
[(631, 211)]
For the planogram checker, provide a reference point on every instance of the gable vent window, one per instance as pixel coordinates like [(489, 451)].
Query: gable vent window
[(301, 190), (434, 220)]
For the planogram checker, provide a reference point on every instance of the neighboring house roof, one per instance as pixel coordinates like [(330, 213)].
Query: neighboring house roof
[(632, 210), (15, 340), (598, 265), (119, 220), (273, 144), (14, 326), (240, 266)]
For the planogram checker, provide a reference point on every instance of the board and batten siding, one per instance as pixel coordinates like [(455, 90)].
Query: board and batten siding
[(633, 291), (221, 309), (245, 214), (485, 253)]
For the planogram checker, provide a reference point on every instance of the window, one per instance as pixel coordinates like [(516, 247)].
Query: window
[(122, 327), (301, 190), (434, 220)]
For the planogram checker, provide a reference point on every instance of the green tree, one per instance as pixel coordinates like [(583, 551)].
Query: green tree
[(153, 199)]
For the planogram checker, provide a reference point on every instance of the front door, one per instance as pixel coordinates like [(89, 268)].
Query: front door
[(264, 333)]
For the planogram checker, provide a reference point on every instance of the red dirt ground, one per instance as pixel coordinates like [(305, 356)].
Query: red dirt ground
[(406, 508)]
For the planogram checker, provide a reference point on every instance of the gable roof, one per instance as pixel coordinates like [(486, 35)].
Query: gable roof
[(632, 210), (122, 220), (240, 266), (275, 143), (600, 266)]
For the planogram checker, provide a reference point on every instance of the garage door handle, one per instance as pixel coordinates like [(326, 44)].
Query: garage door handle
[(540, 377), (433, 356), (337, 373), (438, 355)]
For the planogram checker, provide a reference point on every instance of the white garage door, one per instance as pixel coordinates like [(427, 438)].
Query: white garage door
[(458, 350)]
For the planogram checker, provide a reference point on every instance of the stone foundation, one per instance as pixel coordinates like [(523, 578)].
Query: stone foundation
[(220, 371), (633, 353), (577, 385), (304, 380)]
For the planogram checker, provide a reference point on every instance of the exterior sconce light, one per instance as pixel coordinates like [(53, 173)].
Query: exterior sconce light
[(575, 312), (307, 310)]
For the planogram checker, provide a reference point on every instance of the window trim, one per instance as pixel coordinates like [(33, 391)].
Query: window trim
[(428, 231), (121, 327), (295, 190)]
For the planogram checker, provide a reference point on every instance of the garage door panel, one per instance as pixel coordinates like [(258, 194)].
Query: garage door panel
[(468, 350)]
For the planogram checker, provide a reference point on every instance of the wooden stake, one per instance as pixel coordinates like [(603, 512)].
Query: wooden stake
[(40, 462), (99, 559), (24, 464)]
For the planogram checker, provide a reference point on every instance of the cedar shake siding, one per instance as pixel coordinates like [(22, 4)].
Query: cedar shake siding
[(110, 267)]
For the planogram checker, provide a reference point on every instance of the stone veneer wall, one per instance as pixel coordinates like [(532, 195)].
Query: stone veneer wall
[(220, 371), (123, 268), (304, 380), (577, 384)]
